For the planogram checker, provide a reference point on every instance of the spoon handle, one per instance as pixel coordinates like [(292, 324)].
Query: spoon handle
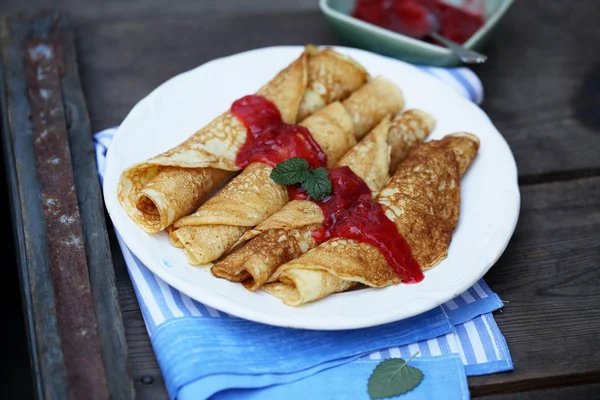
[(465, 55)]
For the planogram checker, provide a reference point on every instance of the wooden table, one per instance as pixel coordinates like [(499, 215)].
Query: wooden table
[(542, 91)]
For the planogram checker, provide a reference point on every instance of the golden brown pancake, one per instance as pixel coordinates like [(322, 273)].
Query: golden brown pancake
[(238, 208), (325, 66), (371, 103), (422, 199), (252, 196), (287, 234), (157, 192)]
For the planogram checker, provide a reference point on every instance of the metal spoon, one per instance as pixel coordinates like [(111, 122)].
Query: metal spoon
[(467, 56)]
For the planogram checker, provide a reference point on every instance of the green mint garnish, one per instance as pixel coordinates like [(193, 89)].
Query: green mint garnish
[(318, 185), (295, 170), (393, 377), (291, 171)]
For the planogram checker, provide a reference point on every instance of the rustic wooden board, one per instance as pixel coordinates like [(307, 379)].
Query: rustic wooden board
[(542, 85), (50, 378), (535, 82), (577, 392), (74, 304), (75, 326), (550, 278), (91, 205), (149, 382), (118, 9)]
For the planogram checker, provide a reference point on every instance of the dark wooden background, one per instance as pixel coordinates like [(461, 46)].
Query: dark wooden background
[(542, 86)]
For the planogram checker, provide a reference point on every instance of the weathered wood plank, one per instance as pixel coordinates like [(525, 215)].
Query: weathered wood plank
[(149, 383), (542, 85), (91, 206), (118, 9), (550, 278), (578, 392), (50, 378), (60, 233), (74, 307), (549, 117), (121, 64)]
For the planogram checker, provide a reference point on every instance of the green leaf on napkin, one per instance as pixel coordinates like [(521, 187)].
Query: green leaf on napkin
[(393, 377)]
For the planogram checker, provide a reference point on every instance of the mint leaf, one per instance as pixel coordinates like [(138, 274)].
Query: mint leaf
[(393, 377), (318, 185), (291, 171), (295, 170)]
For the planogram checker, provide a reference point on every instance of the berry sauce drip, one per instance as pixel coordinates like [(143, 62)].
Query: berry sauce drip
[(366, 222), (346, 188), (352, 213), (411, 18), (270, 140)]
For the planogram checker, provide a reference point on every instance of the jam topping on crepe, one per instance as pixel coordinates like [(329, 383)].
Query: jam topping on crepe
[(352, 213), (270, 140)]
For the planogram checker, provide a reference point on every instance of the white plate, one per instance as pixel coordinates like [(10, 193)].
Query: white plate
[(177, 108)]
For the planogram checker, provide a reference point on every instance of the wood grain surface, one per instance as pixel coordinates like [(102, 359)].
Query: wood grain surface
[(541, 91), (541, 107), (580, 392), (75, 327), (91, 206), (549, 278)]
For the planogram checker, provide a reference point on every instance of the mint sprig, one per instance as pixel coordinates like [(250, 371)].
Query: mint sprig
[(295, 170), (393, 377), (291, 171), (318, 185)]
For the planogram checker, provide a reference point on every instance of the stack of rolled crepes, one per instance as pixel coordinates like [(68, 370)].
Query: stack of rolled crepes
[(422, 199), (161, 190), (252, 196), (276, 242), (287, 234)]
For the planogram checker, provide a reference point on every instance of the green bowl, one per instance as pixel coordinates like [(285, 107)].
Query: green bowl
[(362, 34)]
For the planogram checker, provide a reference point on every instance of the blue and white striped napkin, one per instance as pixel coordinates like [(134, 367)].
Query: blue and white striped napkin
[(206, 353)]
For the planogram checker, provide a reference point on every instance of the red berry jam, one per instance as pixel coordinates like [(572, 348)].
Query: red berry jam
[(270, 140), (366, 222), (410, 17), (352, 213)]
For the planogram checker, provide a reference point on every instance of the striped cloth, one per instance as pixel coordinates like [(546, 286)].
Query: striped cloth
[(476, 338), (460, 332)]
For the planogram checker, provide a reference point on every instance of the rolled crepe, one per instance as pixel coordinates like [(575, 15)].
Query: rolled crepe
[(252, 196), (423, 201), (371, 103), (157, 192), (287, 234)]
